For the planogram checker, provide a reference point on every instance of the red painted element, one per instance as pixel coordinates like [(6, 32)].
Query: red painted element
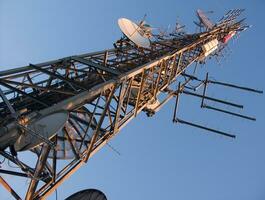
[(228, 37)]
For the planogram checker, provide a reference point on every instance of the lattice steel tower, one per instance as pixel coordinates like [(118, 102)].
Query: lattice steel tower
[(67, 109)]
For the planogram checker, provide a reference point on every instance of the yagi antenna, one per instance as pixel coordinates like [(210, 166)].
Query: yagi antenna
[(204, 98)]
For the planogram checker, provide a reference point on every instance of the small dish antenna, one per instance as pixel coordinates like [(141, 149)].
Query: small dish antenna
[(138, 34), (46, 126)]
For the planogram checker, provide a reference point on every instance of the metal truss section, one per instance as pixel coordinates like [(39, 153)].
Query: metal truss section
[(102, 92)]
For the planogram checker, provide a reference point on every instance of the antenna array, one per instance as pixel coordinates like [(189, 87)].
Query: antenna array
[(97, 94)]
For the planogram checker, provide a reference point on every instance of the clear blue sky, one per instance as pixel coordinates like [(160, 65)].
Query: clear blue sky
[(159, 160)]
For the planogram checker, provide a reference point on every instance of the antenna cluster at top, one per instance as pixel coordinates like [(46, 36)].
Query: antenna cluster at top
[(141, 33)]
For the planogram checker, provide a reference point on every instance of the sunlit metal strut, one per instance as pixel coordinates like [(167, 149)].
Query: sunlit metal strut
[(102, 92)]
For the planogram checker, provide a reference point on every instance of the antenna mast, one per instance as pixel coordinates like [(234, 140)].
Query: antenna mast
[(93, 96)]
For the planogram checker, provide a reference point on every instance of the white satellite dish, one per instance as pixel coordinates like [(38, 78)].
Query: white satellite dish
[(46, 126), (204, 19), (137, 34)]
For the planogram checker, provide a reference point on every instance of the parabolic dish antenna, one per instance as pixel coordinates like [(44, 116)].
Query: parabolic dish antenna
[(89, 194), (46, 126), (134, 32), (77, 132), (204, 19)]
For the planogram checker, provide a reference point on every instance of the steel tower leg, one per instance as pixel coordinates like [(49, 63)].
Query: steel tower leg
[(38, 169)]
